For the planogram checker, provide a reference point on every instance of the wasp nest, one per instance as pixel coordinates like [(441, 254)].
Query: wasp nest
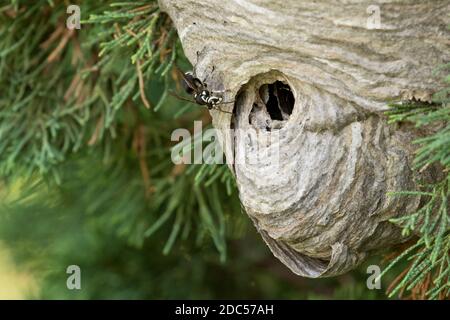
[(311, 80)]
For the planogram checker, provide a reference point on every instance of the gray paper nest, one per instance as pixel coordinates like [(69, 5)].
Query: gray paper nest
[(322, 209)]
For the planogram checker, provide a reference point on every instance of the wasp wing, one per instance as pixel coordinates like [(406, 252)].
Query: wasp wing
[(190, 83)]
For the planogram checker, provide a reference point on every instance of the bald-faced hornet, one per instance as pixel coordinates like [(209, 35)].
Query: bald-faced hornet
[(199, 91)]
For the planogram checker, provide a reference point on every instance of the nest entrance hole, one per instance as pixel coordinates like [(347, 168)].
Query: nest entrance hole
[(278, 99), (273, 105)]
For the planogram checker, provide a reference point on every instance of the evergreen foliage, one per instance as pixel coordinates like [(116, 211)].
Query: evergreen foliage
[(427, 275), (86, 93)]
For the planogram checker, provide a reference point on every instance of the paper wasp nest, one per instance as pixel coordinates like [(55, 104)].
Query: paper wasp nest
[(318, 74)]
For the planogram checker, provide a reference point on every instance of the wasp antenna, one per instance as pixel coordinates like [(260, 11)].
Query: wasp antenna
[(177, 68), (180, 97)]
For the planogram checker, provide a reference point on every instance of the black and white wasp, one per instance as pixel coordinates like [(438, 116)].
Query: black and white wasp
[(199, 91)]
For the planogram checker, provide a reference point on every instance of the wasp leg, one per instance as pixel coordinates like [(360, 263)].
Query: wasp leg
[(221, 110), (219, 91)]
